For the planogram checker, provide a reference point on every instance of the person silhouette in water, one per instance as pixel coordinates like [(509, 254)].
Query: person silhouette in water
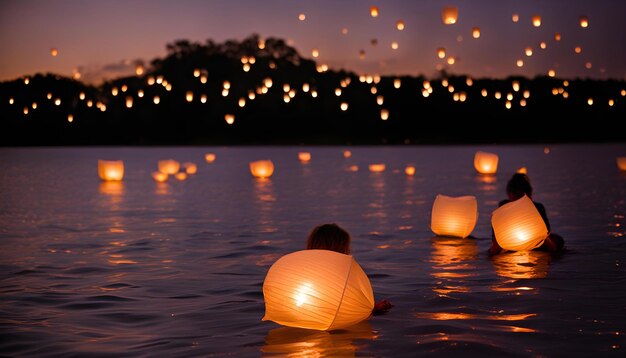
[(516, 188), (334, 238)]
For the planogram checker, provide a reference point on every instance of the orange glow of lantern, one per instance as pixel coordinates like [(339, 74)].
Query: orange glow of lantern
[(543, 45), (409, 170), (441, 53), (397, 83), (210, 157), (229, 118), (190, 168), (344, 106), (528, 51), (400, 25), (522, 170), (518, 226), (520, 63), (70, 118), (621, 163), (515, 18), (315, 53), (189, 96), (376, 168), (486, 163), (552, 73), (181, 176), (347, 154), (536, 20), (353, 168), (139, 70), (111, 170), (394, 45), (476, 32), (156, 100), (301, 17), (168, 166), (317, 289), (584, 22), (159, 177), (450, 15), (374, 11), (304, 157), (26, 80), (384, 114), (557, 36), (262, 168), (454, 216), (54, 52), (578, 49), (129, 102)]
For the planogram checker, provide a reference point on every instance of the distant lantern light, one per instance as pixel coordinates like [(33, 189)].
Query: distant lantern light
[(26, 80), (196, 72), (508, 104), (515, 85), (268, 82), (203, 79), (536, 20), (301, 17), (380, 100), (70, 118), (25, 110), (441, 53), (139, 70), (304, 157), (57, 102), (528, 51), (156, 99), (246, 67), (515, 18), (621, 163), (286, 87), (261, 44), (337, 92), (305, 87), (374, 11), (409, 170), (190, 168), (376, 168), (34, 105), (114, 91), (486, 163), (225, 92), (49, 95), (590, 101), (384, 114), (89, 103), (347, 154), (229, 118), (469, 82), (588, 65), (425, 93), (451, 60), (555, 91), (526, 94), (203, 98), (400, 25), (462, 96), (344, 106), (394, 45), (362, 54), (129, 102), (159, 80), (159, 177), (344, 31), (140, 93), (552, 73), (584, 22), (611, 102), (111, 170), (374, 90), (484, 92), (397, 83), (497, 95), (286, 98), (450, 15), (578, 49), (455, 97), (168, 87), (150, 80), (522, 103), (315, 53), (168, 166), (543, 45), (317, 289), (454, 216), (476, 32), (262, 168), (54, 52), (557, 36), (181, 176), (252, 60), (520, 63), (251, 95), (226, 85), (623, 92), (509, 96), (518, 226), (11, 100), (451, 89), (210, 157), (124, 88), (522, 170), (314, 94)]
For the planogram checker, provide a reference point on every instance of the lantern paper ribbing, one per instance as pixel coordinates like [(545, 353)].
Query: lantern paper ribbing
[(454, 216), (111, 170), (518, 226), (317, 289), (486, 163)]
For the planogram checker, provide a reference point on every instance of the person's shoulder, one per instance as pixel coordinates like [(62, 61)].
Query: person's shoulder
[(539, 205), (505, 201)]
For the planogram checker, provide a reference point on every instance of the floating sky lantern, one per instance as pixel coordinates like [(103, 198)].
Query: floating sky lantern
[(210, 157), (557, 36), (196, 72), (140, 93), (394, 45), (611, 102), (70, 118), (515, 18), (189, 96), (301, 17), (203, 98), (57, 102), (450, 15), (168, 166), (347, 154), (54, 52), (528, 51), (34, 105), (159, 177), (519, 63), (380, 100), (304, 157), (486, 163), (374, 11), (552, 73), (139, 70), (621, 163), (190, 168), (181, 176), (454, 216), (315, 53), (229, 118), (590, 101), (584, 22), (111, 170), (518, 226), (397, 83), (353, 168), (400, 25), (262, 168), (409, 170), (25, 110), (344, 106), (317, 289), (384, 114), (156, 99), (344, 31), (543, 45), (578, 49), (536, 20), (26, 80), (441, 53), (376, 168), (129, 102), (476, 32)]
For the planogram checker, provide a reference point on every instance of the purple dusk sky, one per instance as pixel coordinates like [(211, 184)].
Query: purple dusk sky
[(101, 38)]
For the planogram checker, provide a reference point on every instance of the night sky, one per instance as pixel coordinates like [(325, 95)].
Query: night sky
[(103, 39)]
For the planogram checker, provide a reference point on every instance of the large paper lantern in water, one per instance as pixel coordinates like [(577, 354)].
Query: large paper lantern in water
[(518, 226), (111, 170), (449, 15), (621, 163), (262, 168), (454, 216), (317, 289), (486, 163), (169, 166)]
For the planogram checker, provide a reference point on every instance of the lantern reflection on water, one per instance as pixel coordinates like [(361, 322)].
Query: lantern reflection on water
[(376, 168), (159, 177), (262, 168), (190, 168), (518, 226), (317, 289), (111, 170), (454, 216)]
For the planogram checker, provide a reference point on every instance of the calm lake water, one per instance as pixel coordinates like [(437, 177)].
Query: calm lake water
[(176, 269)]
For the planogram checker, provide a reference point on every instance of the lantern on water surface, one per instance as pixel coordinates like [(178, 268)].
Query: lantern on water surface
[(621, 163), (304, 157), (409, 170), (168, 166), (317, 289), (159, 177), (262, 168), (190, 168), (518, 226), (181, 176), (376, 168), (486, 163), (209, 157), (454, 216), (111, 170), (450, 15)]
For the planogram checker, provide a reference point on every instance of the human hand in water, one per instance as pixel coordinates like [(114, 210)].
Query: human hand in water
[(381, 307)]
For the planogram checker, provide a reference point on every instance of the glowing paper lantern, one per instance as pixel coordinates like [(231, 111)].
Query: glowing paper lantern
[(400, 25), (262, 168), (54, 52), (168, 166), (376, 168), (409, 170), (229, 118), (455, 217), (180, 176), (347, 154), (621, 163), (441, 53), (374, 11), (159, 177), (486, 163), (584, 22), (476, 32), (536, 21), (518, 226), (304, 157), (209, 157), (384, 114), (111, 170), (317, 289), (190, 168), (450, 15), (522, 170)]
